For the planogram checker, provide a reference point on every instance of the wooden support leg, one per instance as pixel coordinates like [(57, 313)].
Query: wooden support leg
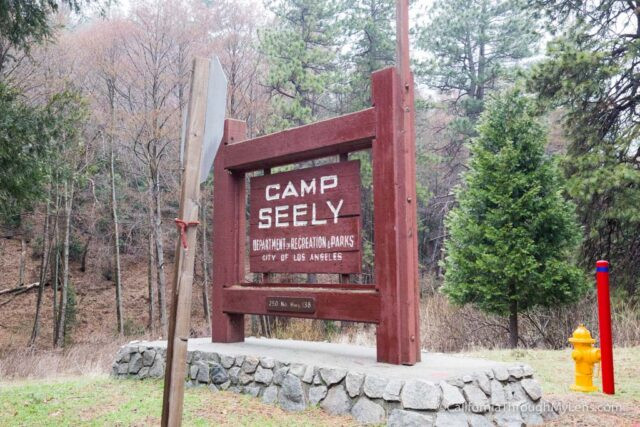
[(395, 249), (228, 237)]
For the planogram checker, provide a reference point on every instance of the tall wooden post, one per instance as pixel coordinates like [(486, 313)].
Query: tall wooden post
[(179, 324), (229, 235)]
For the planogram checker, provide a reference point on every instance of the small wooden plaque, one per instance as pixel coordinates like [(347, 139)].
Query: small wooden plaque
[(291, 304)]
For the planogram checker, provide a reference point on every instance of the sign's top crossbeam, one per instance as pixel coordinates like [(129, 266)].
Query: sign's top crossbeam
[(342, 134)]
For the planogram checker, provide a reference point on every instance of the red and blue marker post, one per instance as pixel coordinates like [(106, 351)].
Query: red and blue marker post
[(604, 319)]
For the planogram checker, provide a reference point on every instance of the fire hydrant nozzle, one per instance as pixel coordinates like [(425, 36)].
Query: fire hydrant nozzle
[(585, 356)]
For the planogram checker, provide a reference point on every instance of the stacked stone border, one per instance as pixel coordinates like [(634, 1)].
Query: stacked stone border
[(504, 395)]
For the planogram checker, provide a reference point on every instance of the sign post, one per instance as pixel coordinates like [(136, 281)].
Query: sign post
[(205, 99)]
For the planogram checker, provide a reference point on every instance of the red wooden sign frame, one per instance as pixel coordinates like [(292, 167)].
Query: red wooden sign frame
[(392, 301)]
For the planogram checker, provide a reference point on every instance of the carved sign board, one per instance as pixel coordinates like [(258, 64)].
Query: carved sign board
[(291, 304), (306, 221)]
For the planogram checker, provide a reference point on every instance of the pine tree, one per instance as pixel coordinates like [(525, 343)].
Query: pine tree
[(301, 50), (513, 236), (471, 46)]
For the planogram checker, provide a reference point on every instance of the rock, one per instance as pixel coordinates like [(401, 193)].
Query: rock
[(267, 362), (194, 356), (515, 392), (123, 368), (530, 414), (211, 357), (509, 417), (316, 379), (451, 419), (239, 360), (456, 381), (270, 394), (400, 418), (527, 370), (308, 374), (532, 388), (157, 369), (218, 374), (354, 382), (516, 372), (203, 372), (419, 394), (467, 379), (489, 374), (483, 382), (250, 364), (297, 369), (501, 373), (392, 391), (135, 363), (279, 374), (332, 376), (476, 420), (212, 388), (291, 396), (193, 371), (143, 372), (367, 412), (227, 361), (498, 396), (337, 402), (251, 390), (476, 398), (233, 374), (225, 385), (244, 378), (451, 396), (316, 394), (263, 375), (123, 355), (148, 357), (374, 386)]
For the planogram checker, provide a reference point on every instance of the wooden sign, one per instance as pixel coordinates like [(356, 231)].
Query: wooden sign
[(291, 305), (306, 221)]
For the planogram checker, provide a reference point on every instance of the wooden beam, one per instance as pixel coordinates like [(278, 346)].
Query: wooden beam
[(229, 235), (395, 251), (180, 321), (331, 304), (342, 134)]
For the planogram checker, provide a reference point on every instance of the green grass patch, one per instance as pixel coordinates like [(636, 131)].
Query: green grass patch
[(98, 401), (555, 369)]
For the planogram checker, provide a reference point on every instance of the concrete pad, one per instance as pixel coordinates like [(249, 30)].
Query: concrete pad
[(433, 367)]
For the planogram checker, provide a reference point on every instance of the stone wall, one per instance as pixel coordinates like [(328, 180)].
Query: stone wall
[(498, 396)]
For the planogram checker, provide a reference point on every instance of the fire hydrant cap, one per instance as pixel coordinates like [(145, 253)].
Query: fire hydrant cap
[(582, 336)]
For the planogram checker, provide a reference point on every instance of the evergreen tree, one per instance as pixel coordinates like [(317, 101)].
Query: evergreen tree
[(513, 236), (301, 51), (472, 45), (593, 73)]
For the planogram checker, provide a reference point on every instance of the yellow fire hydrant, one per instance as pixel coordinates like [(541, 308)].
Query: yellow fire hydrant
[(585, 356)]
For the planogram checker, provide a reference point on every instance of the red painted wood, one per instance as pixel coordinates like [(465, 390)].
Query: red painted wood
[(394, 225), (285, 258), (336, 243), (347, 190), (228, 233), (343, 286), (342, 134), (350, 305)]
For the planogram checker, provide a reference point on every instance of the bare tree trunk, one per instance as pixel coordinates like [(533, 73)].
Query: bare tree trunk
[(116, 246), (157, 225), (513, 320), (85, 251), (68, 204), (46, 243), (205, 260), (23, 257), (55, 279), (150, 282)]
